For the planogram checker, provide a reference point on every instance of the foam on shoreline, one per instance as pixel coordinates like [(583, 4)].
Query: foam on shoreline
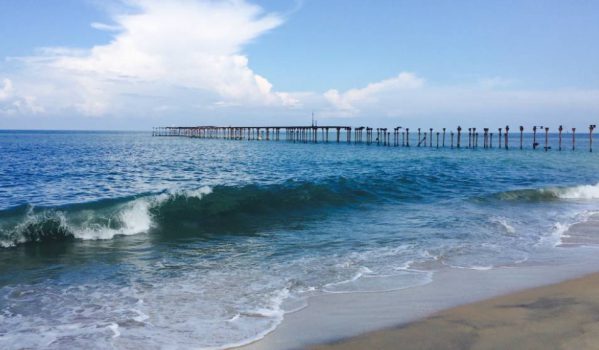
[(337, 316)]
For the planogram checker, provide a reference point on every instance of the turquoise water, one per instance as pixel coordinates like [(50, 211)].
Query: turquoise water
[(123, 240)]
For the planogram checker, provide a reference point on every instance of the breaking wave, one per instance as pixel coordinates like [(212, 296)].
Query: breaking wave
[(582, 192), (217, 209)]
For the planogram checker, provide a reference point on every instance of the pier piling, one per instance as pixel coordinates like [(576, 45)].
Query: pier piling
[(591, 128), (560, 129)]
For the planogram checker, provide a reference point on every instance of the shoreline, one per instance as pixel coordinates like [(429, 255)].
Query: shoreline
[(331, 319), (562, 315)]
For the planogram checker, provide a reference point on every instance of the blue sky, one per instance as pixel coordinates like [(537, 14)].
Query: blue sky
[(134, 63)]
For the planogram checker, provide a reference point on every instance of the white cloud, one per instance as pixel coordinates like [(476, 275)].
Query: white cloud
[(11, 103), (407, 97), (346, 102), (105, 27), (157, 50), (6, 90)]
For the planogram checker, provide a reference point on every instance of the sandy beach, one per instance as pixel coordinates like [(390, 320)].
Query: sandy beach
[(559, 316)]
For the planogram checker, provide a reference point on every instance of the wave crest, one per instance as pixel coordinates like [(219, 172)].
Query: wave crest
[(214, 210), (582, 192)]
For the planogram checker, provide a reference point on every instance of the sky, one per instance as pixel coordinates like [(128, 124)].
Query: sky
[(134, 64)]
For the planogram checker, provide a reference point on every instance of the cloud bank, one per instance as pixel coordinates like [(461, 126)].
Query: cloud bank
[(183, 52), (168, 59)]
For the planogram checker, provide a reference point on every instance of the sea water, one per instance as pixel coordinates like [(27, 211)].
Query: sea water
[(124, 240)]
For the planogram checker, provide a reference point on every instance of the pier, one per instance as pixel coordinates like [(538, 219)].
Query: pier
[(395, 137)]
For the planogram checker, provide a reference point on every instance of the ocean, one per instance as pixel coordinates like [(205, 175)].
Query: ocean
[(124, 240)]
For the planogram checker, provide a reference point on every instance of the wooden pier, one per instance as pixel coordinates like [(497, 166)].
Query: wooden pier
[(396, 137)]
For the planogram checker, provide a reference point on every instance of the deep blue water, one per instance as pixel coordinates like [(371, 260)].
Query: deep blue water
[(124, 240)]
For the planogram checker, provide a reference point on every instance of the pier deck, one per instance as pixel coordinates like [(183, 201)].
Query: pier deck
[(397, 136)]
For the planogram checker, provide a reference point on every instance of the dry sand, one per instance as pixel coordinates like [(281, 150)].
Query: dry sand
[(560, 316)]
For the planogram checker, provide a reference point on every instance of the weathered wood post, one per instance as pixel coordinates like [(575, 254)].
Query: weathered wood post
[(546, 139), (459, 136), (491, 140), (443, 137), (469, 137), (438, 139), (559, 130), (573, 139), (348, 135), (507, 129), (521, 135), (407, 137), (485, 138), (534, 137), (474, 138), (591, 128), (431, 137), (338, 132), (499, 138), (451, 135), (403, 138), (418, 137)]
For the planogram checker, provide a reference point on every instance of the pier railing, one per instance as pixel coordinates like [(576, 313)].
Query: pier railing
[(396, 137)]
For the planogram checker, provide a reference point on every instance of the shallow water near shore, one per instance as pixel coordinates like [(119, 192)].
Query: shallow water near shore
[(123, 240)]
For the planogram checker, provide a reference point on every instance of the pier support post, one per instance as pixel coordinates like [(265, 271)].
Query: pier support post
[(431, 137), (559, 135), (485, 138), (534, 137), (469, 137), (546, 139), (591, 128), (499, 138), (459, 136), (443, 137), (507, 129), (573, 139), (521, 135)]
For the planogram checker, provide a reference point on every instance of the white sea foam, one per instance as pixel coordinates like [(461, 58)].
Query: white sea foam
[(365, 281), (504, 223), (134, 218), (578, 192)]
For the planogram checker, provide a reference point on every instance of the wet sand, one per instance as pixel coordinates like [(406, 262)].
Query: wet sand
[(559, 316)]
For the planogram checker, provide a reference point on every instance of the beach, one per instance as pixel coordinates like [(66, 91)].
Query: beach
[(559, 316)]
